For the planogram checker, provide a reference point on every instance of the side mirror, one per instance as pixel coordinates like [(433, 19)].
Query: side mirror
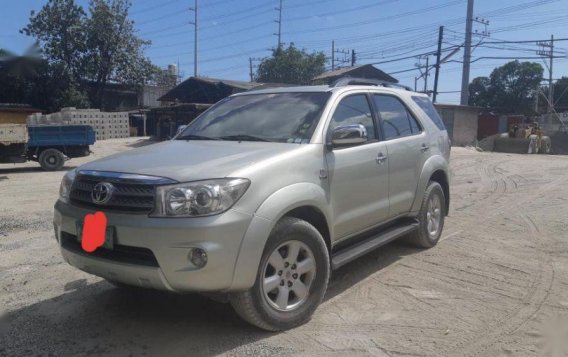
[(352, 134)]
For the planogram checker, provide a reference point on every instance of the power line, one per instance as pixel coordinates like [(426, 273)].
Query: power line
[(375, 20), (344, 11), (158, 6), (165, 16)]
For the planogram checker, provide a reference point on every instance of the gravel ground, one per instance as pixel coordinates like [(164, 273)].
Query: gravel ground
[(497, 283)]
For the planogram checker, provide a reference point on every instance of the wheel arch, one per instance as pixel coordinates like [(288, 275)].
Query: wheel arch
[(316, 218), (434, 169), (311, 207)]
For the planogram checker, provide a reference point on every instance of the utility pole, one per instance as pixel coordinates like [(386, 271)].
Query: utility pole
[(344, 59), (467, 54), (194, 9), (536, 99), (353, 58), (438, 57), (250, 64), (426, 73), (333, 55), (550, 84), (547, 50), (279, 21), (423, 74)]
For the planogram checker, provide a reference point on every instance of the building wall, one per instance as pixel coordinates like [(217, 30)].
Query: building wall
[(150, 94), (461, 123)]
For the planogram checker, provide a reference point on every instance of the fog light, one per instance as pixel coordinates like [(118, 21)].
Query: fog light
[(198, 257)]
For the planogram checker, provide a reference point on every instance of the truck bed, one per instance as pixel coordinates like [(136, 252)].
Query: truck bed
[(60, 135)]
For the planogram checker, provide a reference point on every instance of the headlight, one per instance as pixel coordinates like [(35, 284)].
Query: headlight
[(66, 183), (200, 198)]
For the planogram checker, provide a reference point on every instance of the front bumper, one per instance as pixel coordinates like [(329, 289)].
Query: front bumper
[(168, 239)]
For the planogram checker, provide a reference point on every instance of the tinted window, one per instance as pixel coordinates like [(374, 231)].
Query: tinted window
[(397, 121), (426, 105), (280, 117), (354, 110)]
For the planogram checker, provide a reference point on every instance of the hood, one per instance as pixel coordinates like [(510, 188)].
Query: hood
[(183, 160)]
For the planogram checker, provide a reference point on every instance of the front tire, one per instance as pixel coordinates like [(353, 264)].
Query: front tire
[(430, 218), (291, 280)]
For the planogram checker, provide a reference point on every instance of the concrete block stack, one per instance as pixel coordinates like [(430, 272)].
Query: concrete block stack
[(107, 125)]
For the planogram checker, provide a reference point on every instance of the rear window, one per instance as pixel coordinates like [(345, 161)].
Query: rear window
[(426, 105)]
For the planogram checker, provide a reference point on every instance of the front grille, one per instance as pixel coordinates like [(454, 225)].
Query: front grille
[(128, 195), (120, 253)]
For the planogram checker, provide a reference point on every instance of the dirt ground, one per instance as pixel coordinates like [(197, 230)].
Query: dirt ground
[(497, 283)]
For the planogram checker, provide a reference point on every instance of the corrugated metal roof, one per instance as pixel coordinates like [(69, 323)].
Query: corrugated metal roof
[(362, 71), (337, 72), (228, 82)]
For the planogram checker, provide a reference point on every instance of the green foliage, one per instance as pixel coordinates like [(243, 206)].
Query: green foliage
[(561, 94), (59, 27), (114, 52), (510, 88), (86, 52), (292, 66), (34, 81)]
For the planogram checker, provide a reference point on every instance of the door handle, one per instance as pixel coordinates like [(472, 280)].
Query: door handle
[(424, 148), (381, 158)]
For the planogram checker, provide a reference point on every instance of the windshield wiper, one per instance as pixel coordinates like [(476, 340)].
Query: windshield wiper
[(196, 137), (244, 137)]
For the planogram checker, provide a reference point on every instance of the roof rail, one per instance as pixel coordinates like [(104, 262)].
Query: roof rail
[(346, 81)]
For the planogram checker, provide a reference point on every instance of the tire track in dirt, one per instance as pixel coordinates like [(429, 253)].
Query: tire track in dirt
[(541, 284)]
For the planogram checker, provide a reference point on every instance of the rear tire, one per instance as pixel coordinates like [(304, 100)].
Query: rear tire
[(430, 218), (288, 288), (51, 160)]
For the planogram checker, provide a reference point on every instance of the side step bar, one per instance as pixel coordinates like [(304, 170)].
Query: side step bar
[(353, 252)]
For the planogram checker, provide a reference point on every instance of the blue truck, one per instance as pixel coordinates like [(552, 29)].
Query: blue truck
[(49, 145)]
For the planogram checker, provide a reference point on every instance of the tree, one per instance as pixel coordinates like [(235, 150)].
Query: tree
[(480, 92), (511, 88), (32, 80), (89, 51), (291, 65), (59, 28), (114, 52), (561, 94)]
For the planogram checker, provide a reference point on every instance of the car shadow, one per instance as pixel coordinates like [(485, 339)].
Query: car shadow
[(101, 319)]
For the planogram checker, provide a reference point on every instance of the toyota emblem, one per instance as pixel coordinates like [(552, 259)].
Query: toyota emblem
[(102, 193)]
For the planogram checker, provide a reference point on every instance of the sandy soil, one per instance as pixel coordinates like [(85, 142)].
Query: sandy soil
[(497, 283)]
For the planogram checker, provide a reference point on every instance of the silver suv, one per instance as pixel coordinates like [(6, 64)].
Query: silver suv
[(263, 195)]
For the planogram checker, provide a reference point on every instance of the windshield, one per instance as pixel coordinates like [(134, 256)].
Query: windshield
[(277, 117)]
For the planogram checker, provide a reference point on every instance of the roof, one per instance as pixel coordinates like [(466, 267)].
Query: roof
[(360, 71), (17, 107), (228, 82), (205, 90)]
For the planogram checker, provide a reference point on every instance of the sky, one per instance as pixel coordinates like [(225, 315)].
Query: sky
[(387, 33)]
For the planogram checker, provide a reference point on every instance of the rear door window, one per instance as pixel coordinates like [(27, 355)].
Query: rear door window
[(426, 105), (397, 121)]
